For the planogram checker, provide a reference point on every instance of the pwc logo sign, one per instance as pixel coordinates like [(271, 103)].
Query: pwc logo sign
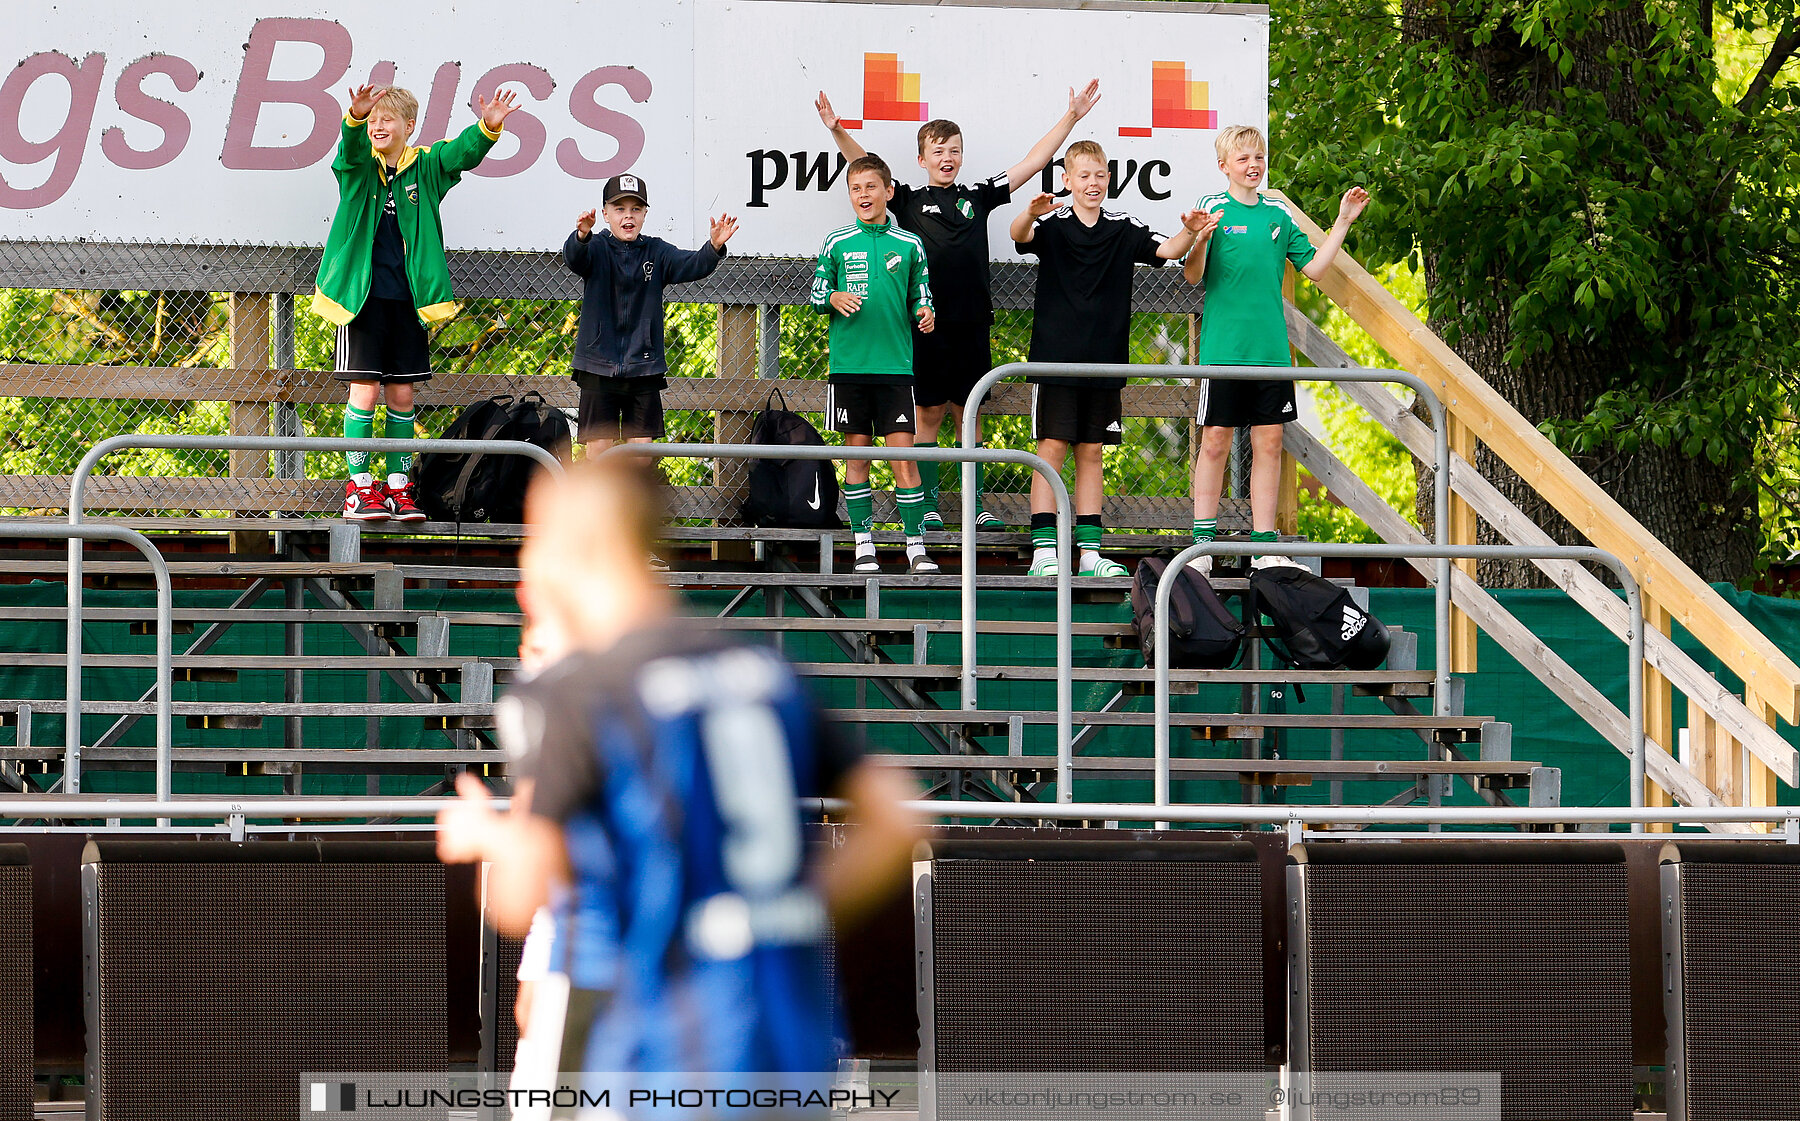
[(1176, 101), (889, 92)]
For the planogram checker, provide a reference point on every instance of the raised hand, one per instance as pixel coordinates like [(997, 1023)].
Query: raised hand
[(584, 225), (363, 99), (1201, 222), (1041, 204), (827, 116), (927, 320), (845, 304), (1080, 103), (495, 112), (1352, 205), (722, 228)]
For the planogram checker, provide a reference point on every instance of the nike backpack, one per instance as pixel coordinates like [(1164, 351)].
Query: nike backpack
[(1314, 624), (1202, 633), (790, 493), (481, 487)]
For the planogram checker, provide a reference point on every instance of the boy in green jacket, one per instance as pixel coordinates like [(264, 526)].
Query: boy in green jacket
[(384, 276), (872, 281)]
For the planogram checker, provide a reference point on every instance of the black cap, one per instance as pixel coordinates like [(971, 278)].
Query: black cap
[(625, 186)]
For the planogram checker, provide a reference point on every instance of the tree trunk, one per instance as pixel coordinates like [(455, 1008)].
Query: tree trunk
[(1693, 506)]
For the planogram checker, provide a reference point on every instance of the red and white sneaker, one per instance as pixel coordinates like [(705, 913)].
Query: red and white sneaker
[(363, 504), (400, 505)]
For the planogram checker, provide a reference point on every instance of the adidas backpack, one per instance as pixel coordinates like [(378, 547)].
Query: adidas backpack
[(482, 487), (790, 493), (1202, 634), (1314, 624)]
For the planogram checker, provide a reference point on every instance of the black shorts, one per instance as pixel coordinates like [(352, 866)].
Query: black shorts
[(1245, 404), (619, 408), (869, 408), (384, 343), (1079, 414), (948, 362)]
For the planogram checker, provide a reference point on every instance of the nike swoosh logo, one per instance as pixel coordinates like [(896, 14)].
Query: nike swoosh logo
[(814, 504)]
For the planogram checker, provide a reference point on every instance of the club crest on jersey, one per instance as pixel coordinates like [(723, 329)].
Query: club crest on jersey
[(893, 262), (1274, 233), (965, 208), (412, 193), (649, 267)]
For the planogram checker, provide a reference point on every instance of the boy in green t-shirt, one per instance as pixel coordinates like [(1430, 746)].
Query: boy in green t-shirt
[(871, 279), (1241, 254)]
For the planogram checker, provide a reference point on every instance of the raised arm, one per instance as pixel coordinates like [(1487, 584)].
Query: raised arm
[(1024, 223), (469, 147), (576, 253), (1193, 269), (684, 265), (1175, 248), (353, 134), (1046, 148), (828, 117), (1349, 209)]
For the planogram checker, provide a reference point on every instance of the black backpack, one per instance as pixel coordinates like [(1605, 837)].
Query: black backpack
[(1202, 633), (1314, 624), (454, 487), (790, 493)]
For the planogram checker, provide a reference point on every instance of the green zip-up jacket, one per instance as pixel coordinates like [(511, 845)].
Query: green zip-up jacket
[(424, 177), (885, 265)]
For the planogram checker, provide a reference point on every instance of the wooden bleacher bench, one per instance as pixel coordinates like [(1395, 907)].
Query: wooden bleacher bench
[(1200, 725), (250, 714), (1259, 772)]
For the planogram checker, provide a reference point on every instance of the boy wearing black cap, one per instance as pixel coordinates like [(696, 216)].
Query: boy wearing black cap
[(619, 361)]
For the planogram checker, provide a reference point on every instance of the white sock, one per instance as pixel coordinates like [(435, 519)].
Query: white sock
[(1043, 556), (363, 479), (915, 548), (1090, 558), (395, 482)]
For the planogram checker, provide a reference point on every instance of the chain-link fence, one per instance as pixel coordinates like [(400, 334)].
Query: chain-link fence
[(100, 339)]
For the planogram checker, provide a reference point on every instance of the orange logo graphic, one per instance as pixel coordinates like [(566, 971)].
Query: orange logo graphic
[(1176, 101), (889, 92)]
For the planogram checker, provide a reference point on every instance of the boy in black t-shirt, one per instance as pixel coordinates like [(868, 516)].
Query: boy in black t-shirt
[(1082, 313), (951, 220)]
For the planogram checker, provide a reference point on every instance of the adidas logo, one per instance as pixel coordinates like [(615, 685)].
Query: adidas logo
[(1354, 621), (901, 419), (1114, 427)]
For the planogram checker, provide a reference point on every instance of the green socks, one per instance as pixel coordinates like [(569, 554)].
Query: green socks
[(1087, 532), (859, 502), (911, 501), (928, 476), (1205, 529), (399, 427), (1263, 537), (358, 425)]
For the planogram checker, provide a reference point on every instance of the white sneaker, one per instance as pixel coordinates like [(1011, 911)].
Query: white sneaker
[(1102, 567), (1202, 564), (1274, 560), (1045, 567)]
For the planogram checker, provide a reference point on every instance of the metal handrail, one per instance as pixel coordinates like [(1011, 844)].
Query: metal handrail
[(1444, 553), (968, 456), (1440, 480), (77, 512), (165, 611)]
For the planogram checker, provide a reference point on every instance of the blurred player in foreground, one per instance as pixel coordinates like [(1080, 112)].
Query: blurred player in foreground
[(660, 767)]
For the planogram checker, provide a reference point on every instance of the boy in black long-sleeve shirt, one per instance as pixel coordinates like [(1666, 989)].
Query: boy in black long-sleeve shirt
[(619, 361)]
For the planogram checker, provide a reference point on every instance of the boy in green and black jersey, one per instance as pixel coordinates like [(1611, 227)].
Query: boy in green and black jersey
[(871, 279)]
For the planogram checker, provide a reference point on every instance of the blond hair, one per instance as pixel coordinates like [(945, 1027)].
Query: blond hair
[(1239, 138), (402, 102), (1088, 148)]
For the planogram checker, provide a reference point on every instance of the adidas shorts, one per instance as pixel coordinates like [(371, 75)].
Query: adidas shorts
[(869, 408), (948, 362), (384, 343), (1078, 414), (1245, 404)]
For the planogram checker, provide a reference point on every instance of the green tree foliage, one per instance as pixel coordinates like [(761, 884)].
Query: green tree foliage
[(1602, 194)]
